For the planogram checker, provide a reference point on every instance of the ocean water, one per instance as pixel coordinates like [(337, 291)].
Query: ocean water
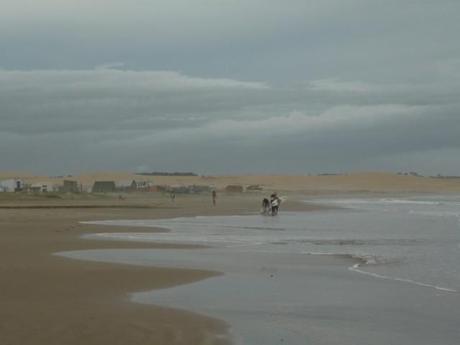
[(413, 239), (379, 271)]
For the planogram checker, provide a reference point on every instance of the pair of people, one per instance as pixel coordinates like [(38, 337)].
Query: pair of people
[(271, 207)]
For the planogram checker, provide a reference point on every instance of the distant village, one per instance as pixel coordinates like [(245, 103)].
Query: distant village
[(71, 186), (108, 186), (145, 182)]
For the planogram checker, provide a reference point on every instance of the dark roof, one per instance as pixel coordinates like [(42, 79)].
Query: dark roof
[(103, 186)]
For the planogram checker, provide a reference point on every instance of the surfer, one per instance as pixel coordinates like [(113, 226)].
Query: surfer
[(266, 206), (275, 204)]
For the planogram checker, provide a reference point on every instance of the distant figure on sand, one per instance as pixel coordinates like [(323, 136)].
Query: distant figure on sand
[(275, 204), (266, 206), (214, 197), (172, 195)]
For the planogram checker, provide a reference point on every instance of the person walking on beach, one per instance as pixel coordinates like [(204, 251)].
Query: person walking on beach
[(266, 206), (172, 195), (275, 203), (214, 197)]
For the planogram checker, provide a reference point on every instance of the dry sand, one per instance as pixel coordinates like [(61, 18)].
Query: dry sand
[(50, 300)]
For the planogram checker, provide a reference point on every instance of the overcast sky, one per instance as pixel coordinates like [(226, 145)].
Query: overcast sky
[(230, 86)]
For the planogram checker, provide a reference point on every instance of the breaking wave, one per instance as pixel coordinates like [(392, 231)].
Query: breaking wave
[(356, 268), (368, 260)]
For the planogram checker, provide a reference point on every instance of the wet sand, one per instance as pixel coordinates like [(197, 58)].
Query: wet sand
[(47, 299)]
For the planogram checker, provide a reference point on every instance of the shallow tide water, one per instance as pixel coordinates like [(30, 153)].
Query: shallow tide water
[(292, 279)]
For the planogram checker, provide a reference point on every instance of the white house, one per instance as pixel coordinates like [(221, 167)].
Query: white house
[(11, 185), (43, 187), (123, 186), (141, 185)]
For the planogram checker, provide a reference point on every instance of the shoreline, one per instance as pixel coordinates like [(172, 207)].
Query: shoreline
[(52, 300), (230, 297)]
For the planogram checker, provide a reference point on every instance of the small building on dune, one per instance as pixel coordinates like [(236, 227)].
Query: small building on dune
[(70, 186), (11, 185), (124, 186), (42, 187), (104, 187), (184, 189), (197, 189), (132, 185), (234, 188), (142, 186), (254, 187), (179, 189)]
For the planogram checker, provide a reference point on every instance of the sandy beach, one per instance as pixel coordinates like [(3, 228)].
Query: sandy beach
[(229, 173), (47, 299)]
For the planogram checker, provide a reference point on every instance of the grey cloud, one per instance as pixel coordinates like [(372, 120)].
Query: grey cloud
[(147, 118), (269, 40), (46, 101), (229, 86)]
